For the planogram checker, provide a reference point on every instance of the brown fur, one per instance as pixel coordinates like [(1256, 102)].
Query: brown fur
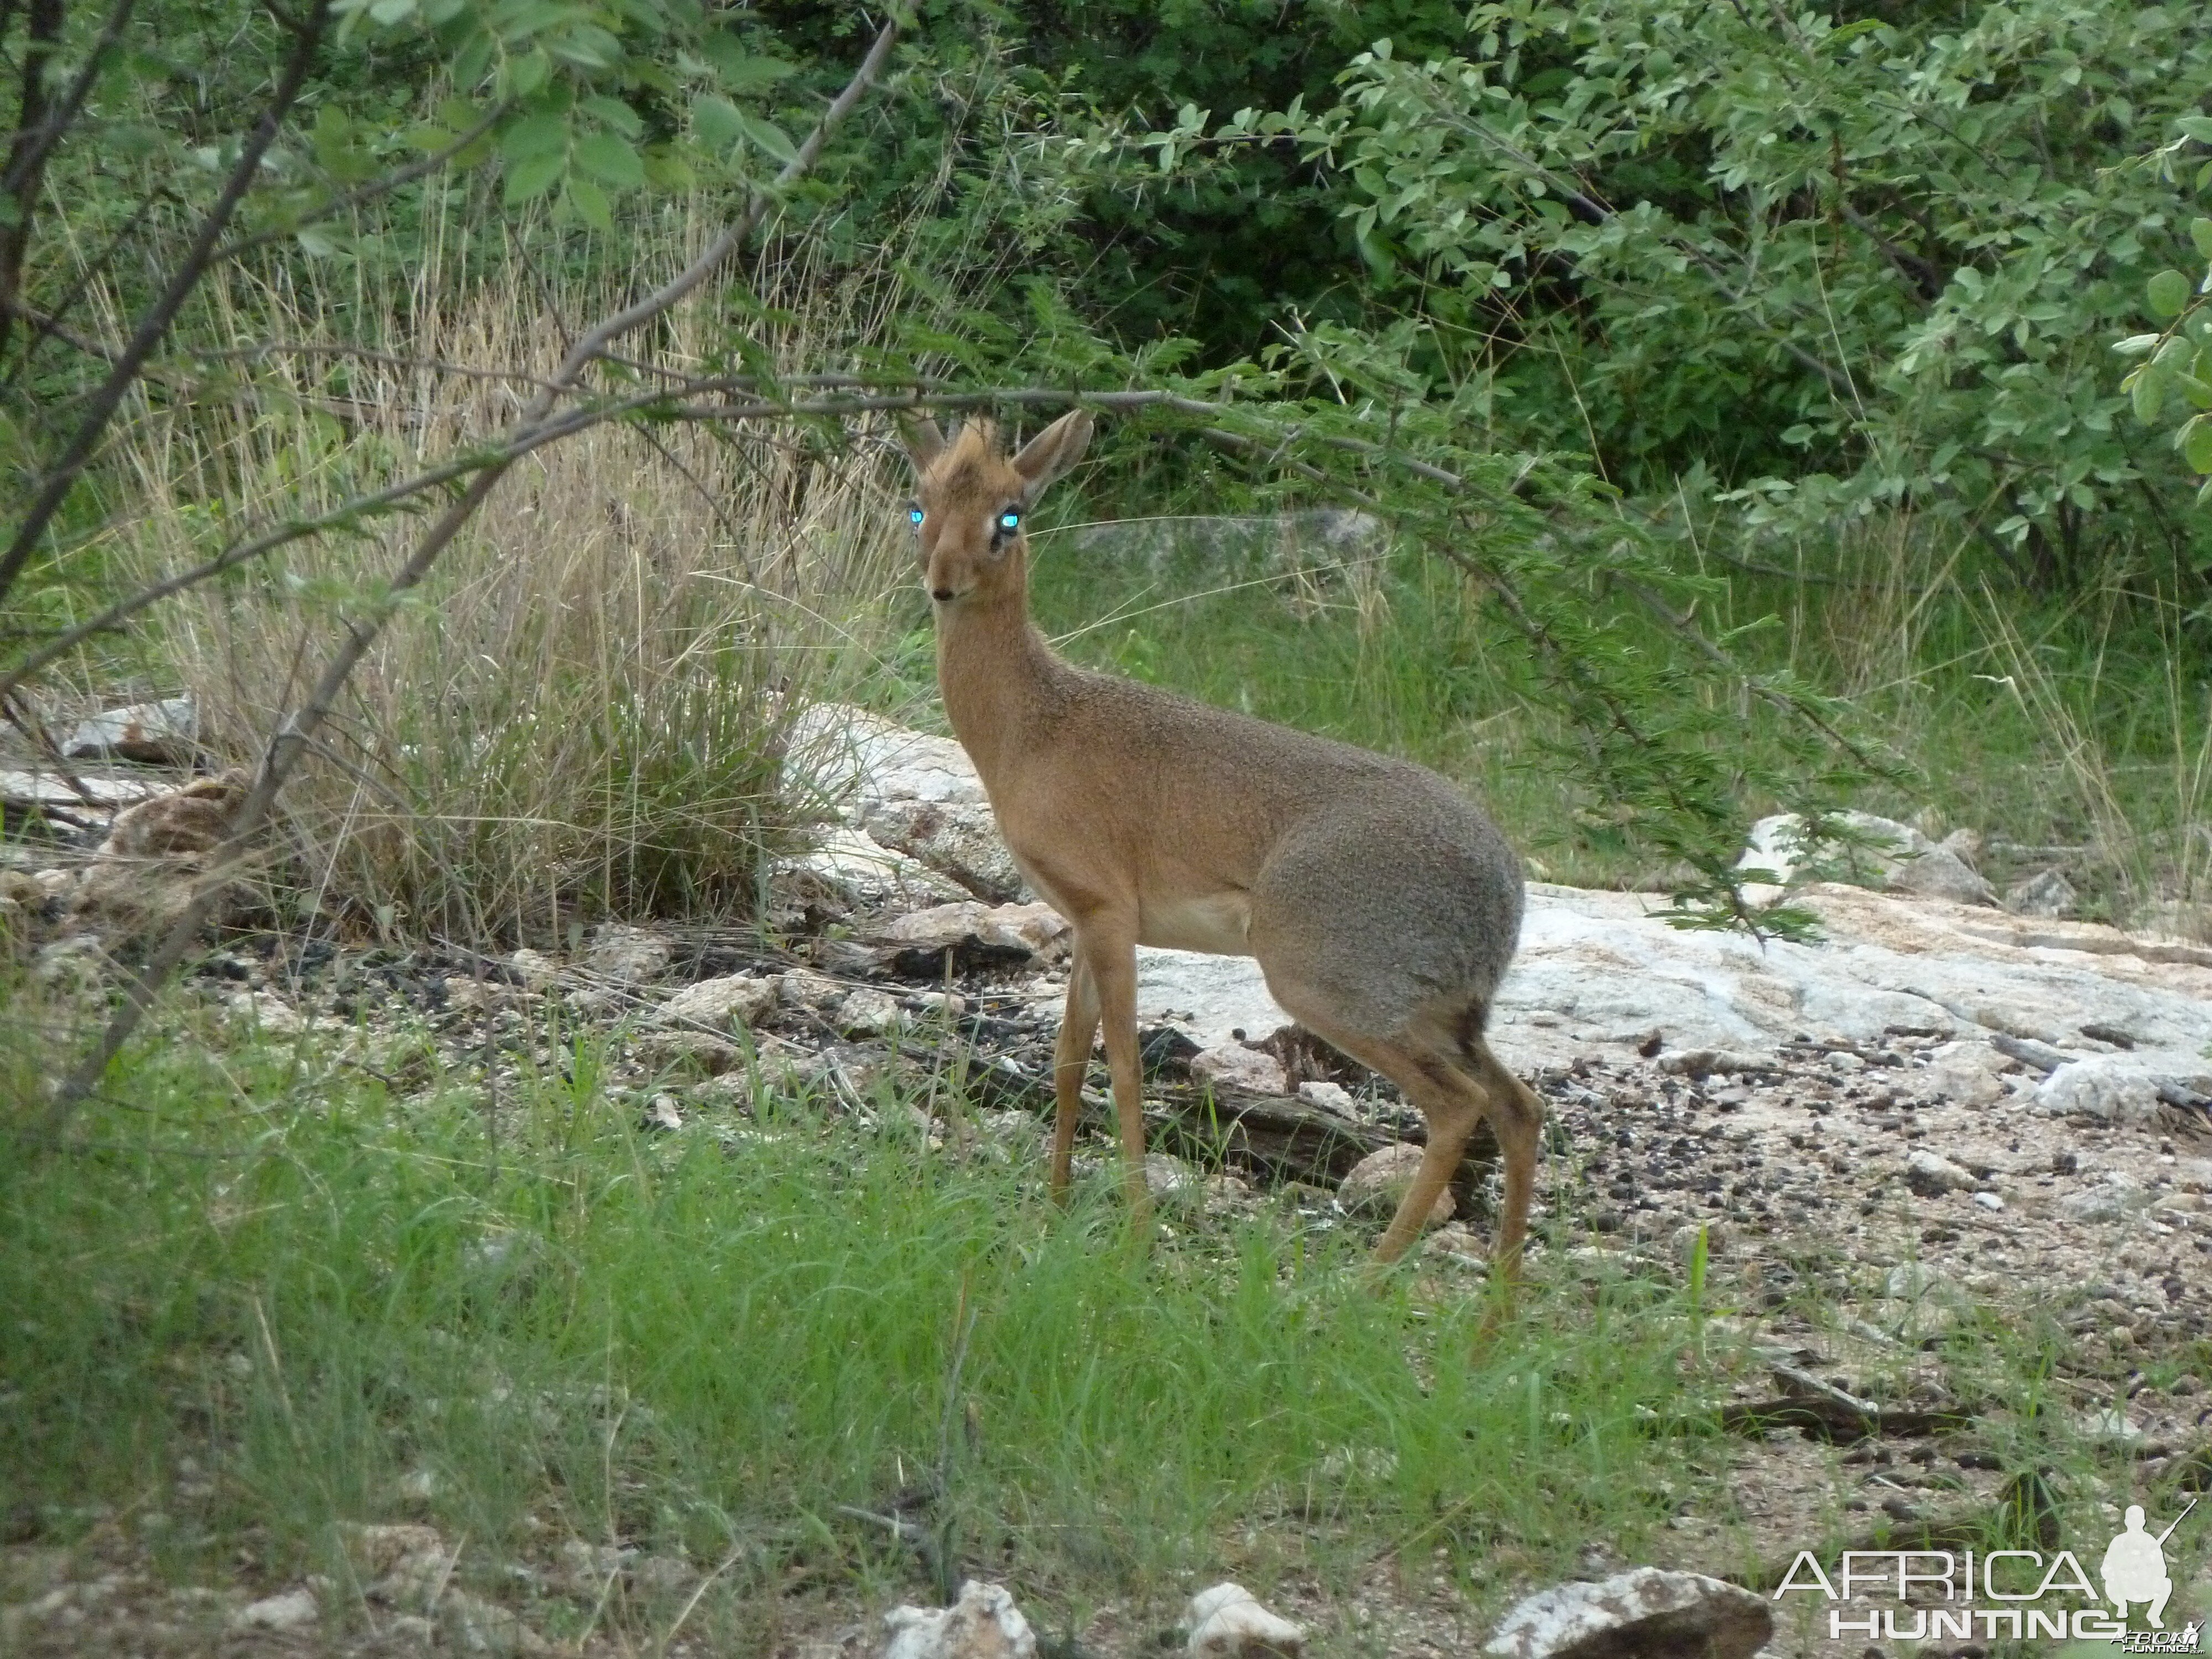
[(1382, 905)]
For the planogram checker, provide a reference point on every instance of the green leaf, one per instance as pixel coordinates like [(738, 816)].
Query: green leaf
[(527, 180), (388, 12), (738, 69), (590, 202), (533, 136), (2168, 292), (2137, 345), (769, 138), (716, 120), (2200, 232), (2196, 443), (615, 113), (527, 74), (609, 160), (2148, 394), (585, 47)]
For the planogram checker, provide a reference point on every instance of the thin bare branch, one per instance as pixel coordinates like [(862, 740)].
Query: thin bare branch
[(124, 372), (28, 156), (294, 736)]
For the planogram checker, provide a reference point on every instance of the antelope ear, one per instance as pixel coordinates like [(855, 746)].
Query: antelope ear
[(924, 442), (1052, 452)]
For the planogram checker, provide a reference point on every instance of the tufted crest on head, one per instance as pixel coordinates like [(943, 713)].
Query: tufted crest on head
[(971, 461)]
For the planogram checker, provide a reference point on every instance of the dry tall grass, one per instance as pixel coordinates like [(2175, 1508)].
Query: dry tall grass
[(580, 712)]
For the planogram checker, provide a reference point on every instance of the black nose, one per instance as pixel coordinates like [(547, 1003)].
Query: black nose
[(942, 595)]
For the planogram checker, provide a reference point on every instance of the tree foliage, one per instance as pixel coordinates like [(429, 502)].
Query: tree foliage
[(1843, 261)]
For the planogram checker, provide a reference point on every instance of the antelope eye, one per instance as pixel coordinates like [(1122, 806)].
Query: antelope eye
[(913, 515), (1010, 519)]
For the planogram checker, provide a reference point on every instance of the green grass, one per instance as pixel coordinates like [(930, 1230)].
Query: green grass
[(348, 1307), (2084, 723), (262, 1295)]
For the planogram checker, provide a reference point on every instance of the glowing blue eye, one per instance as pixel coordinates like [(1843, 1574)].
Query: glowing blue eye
[(1010, 521), (913, 515)]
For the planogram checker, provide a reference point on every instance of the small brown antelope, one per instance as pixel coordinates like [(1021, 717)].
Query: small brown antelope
[(1382, 907)]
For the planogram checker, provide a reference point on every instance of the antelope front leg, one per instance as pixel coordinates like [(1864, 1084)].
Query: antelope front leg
[(1448, 1137), (1112, 959), (1071, 1060)]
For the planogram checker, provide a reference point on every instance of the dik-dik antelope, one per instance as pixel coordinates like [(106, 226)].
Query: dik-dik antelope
[(1382, 907)]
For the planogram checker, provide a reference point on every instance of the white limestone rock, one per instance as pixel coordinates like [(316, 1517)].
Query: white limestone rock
[(164, 733), (1233, 1066), (983, 1624), (1228, 1622), (731, 999), (1643, 1614), (629, 955)]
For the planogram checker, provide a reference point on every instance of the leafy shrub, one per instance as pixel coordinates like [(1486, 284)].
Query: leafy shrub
[(1849, 263)]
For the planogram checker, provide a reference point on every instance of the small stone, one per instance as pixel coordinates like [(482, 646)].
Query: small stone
[(938, 1004), (1233, 1066), (866, 1013), (1329, 1096), (1684, 1239), (1642, 1612), (2049, 894), (1965, 1072), (478, 1625), (2109, 1201), (1228, 1622), (378, 1551), (1377, 1184), (803, 989), (983, 1624), (2112, 1427), (290, 1611), (77, 961), (701, 1050), (1705, 1062), (1913, 1281), (1989, 1201), (662, 1113), (732, 999), (1941, 873), (630, 955), (538, 971), (1172, 1181), (1931, 1174)]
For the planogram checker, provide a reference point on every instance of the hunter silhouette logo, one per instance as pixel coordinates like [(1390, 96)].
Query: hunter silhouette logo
[(2134, 1566)]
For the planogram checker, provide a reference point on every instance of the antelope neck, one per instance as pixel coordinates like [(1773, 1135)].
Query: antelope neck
[(994, 669)]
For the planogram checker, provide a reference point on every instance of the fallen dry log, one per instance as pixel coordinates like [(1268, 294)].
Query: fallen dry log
[(1271, 1139), (1822, 1410)]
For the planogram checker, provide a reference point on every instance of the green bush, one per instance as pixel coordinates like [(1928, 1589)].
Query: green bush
[(1848, 264)]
